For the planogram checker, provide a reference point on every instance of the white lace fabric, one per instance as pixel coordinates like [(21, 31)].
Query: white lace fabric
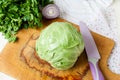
[(99, 17)]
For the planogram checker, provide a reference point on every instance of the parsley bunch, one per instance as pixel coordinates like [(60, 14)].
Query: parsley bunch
[(43, 3), (18, 14)]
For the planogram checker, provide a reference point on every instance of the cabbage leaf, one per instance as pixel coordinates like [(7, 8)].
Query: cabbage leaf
[(60, 44)]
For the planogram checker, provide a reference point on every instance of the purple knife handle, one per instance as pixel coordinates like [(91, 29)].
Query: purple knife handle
[(96, 72)]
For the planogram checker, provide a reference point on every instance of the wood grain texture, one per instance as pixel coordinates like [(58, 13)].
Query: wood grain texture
[(14, 65)]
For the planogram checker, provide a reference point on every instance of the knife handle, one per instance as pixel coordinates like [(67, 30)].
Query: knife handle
[(96, 72)]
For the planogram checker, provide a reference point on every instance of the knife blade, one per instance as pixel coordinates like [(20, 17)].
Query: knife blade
[(91, 51)]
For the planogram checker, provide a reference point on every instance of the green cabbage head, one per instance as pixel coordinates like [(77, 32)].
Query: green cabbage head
[(60, 44)]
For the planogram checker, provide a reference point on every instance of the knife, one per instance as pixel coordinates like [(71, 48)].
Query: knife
[(91, 51)]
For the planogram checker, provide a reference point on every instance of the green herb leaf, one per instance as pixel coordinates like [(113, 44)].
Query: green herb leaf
[(18, 14)]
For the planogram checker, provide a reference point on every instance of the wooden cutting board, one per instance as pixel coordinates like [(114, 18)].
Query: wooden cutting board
[(11, 62)]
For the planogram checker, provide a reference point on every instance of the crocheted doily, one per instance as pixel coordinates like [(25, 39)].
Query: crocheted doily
[(99, 17)]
